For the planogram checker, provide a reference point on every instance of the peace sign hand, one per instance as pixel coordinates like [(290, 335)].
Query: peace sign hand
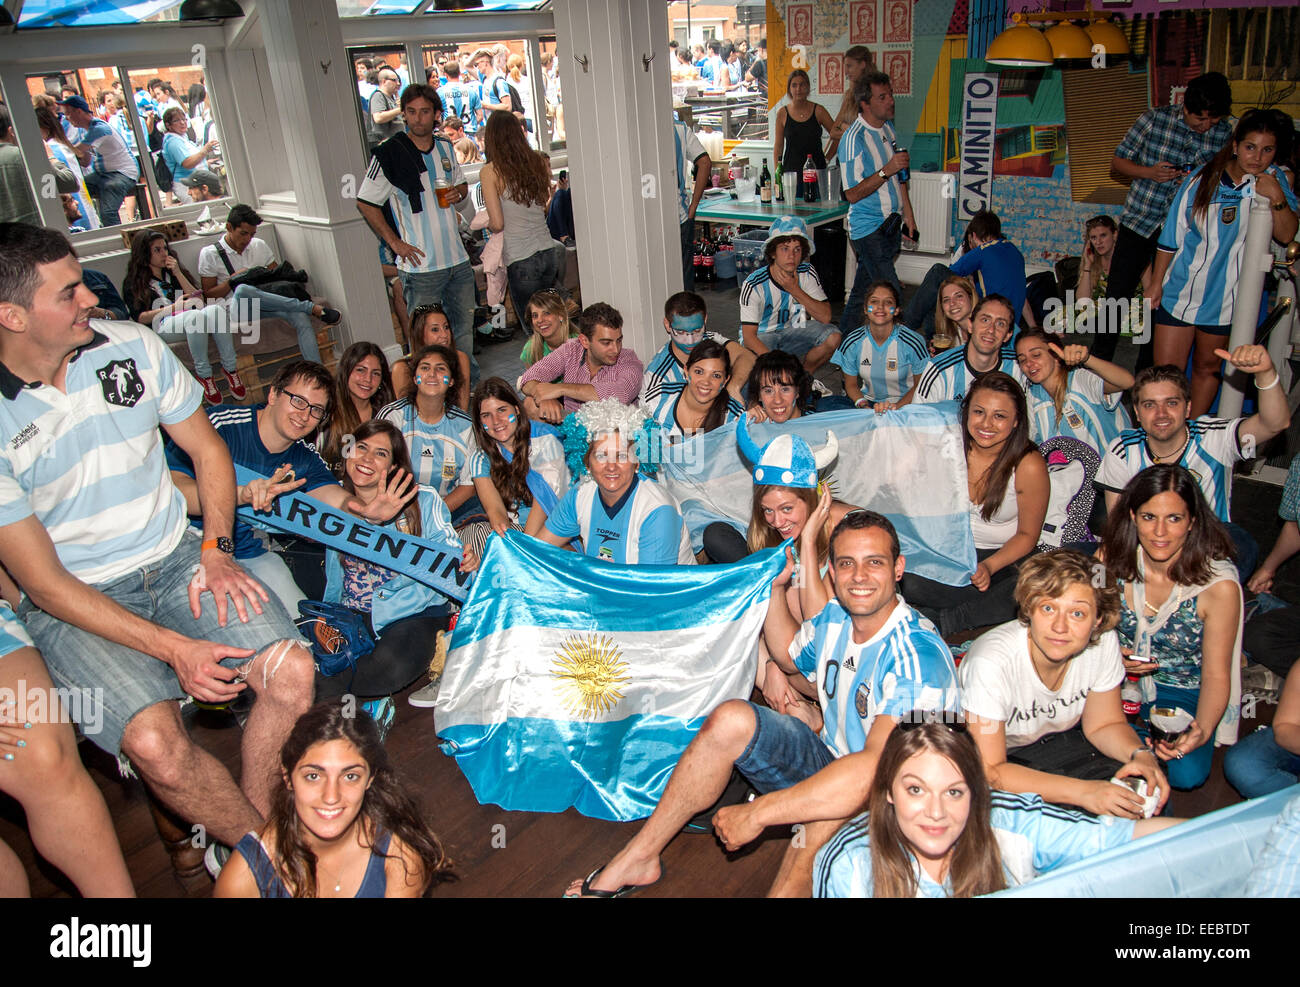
[(1074, 355)]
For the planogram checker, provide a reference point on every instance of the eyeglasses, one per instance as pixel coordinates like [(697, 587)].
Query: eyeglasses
[(314, 411)]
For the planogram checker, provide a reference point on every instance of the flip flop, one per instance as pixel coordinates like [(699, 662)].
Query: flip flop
[(589, 892)]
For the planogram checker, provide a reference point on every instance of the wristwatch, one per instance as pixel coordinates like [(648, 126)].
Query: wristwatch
[(222, 544)]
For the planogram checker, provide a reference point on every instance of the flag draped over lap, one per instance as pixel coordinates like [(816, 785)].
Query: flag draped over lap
[(909, 465), (575, 682)]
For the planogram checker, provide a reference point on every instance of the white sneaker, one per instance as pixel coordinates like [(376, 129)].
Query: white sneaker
[(425, 697)]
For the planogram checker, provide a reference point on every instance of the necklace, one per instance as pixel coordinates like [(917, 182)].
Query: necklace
[(1179, 455)]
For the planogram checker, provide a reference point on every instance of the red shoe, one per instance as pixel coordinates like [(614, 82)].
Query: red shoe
[(211, 393), (237, 389)]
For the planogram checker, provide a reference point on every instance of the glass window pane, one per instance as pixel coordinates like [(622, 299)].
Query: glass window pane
[(183, 146)]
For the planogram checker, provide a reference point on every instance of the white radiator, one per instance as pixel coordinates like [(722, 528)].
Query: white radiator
[(933, 208)]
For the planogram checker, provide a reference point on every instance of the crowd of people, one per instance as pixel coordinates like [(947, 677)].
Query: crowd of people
[(118, 492)]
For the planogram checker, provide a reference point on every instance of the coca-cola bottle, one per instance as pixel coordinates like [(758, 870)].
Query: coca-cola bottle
[(810, 180)]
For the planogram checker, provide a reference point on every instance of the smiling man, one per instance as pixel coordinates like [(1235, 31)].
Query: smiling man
[(867, 656)]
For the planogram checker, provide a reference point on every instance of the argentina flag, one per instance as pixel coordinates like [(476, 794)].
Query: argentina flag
[(909, 465), (575, 682)]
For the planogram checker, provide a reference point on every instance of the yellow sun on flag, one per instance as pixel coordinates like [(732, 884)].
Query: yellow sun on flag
[(590, 671)]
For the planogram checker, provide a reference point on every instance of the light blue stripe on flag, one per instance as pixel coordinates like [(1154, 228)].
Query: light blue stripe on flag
[(909, 465), (574, 682)]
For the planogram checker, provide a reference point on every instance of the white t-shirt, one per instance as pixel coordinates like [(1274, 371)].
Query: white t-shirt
[(256, 254), (998, 682)]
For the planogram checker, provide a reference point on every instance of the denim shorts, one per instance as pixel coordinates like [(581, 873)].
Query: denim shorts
[(782, 752), (798, 340), (130, 680)]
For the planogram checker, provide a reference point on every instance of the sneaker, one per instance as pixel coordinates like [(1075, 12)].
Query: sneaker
[(215, 857), (211, 392), (382, 711), (427, 696), (237, 389), (330, 316)]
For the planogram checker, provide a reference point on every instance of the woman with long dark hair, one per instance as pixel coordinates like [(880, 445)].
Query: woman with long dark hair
[(341, 825), (163, 295), (1198, 264), (1180, 615), (516, 187), (1006, 479), (519, 471), (933, 828), (363, 386)]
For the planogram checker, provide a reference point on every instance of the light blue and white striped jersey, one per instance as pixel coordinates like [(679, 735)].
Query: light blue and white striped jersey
[(1087, 414), (1201, 284), (434, 230), (1033, 836), (863, 151), (950, 375), (886, 370), (463, 100), (645, 527), (905, 666), (1276, 873), (1213, 448), (688, 150), (13, 635), (770, 307), (665, 376), (438, 451), (88, 461)]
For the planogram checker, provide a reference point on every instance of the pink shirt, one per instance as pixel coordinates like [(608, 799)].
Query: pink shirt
[(569, 364)]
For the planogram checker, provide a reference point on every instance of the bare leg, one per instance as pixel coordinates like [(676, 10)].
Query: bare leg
[(1205, 372), (698, 780), (66, 815), (185, 777), (283, 678), (794, 879)]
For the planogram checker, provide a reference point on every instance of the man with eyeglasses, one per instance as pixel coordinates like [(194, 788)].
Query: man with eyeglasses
[(950, 374), (268, 439), (685, 315)]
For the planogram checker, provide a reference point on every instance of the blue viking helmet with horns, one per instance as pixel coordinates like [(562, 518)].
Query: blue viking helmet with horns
[(786, 461)]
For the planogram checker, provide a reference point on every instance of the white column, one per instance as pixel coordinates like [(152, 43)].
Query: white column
[(618, 117), (315, 95)]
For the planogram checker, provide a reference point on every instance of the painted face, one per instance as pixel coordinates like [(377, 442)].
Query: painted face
[(612, 462), (1060, 628), (437, 330), (1102, 240), (1035, 359), (365, 379), (1161, 409), (371, 458), (992, 418), (881, 307), (604, 346), (1162, 526), (293, 411), (499, 420), (957, 304), (706, 378), (785, 511), (779, 401), (329, 785), (864, 575), (1255, 152), (931, 805), (58, 318), (433, 376)]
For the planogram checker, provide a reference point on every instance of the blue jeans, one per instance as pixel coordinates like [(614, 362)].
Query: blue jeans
[(526, 277), (294, 311), (110, 189), (453, 288), (196, 326), (782, 752), (1256, 765), (1190, 770), (875, 253), (130, 681)]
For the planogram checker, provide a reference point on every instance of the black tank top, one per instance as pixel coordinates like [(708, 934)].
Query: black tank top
[(801, 140)]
